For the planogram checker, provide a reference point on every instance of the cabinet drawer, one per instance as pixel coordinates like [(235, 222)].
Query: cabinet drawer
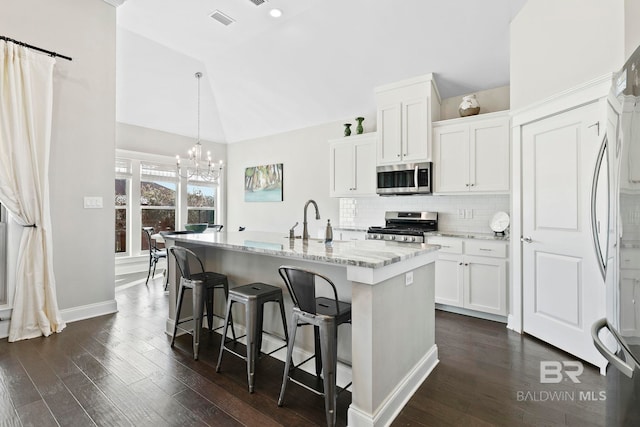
[(485, 248), (447, 245), (630, 258)]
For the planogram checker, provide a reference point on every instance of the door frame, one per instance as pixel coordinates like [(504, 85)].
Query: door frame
[(595, 90)]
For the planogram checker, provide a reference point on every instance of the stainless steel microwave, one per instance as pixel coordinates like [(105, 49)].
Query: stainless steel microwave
[(406, 178)]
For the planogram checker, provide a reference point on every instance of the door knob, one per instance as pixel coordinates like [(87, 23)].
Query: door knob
[(526, 239)]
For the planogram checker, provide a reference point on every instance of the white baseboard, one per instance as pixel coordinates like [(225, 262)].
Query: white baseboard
[(394, 403), (4, 329), (472, 313), (74, 314), (88, 311)]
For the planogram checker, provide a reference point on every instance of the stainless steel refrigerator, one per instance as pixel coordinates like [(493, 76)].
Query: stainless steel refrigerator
[(616, 230)]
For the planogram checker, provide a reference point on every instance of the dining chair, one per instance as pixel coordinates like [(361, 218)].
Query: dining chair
[(155, 253)]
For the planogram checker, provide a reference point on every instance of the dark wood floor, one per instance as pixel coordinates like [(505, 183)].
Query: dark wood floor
[(119, 370)]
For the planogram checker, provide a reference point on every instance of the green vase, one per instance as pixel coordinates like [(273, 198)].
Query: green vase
[(359, 129), (347, 129)]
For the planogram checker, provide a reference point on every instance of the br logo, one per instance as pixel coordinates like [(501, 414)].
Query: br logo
[(553, 372)]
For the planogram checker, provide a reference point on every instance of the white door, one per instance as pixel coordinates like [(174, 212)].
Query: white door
[(563, 289)]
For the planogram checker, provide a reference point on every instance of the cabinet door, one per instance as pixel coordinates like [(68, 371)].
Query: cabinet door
[(415, 125), (485, 285), (629, 310), (451, 163), (365, 168), (389, 133), (489, 150), (449, 277), (341, 169)]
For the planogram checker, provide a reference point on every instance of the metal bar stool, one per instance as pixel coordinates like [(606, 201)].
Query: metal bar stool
[(202, 284), (253, 296), (325, 314)]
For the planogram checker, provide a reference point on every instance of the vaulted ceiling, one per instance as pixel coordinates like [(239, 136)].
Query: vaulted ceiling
[(317, 63)]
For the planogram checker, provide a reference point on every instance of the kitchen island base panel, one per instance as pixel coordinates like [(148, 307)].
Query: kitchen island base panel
[(391, 342), (396, 401)]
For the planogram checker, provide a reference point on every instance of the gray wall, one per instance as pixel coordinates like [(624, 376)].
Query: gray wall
[(83, 137)]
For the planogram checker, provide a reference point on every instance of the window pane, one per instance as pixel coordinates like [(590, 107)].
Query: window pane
[(199, 216), (157, 193), (160, 220), (121, 230), (121, 192), (199, 196)]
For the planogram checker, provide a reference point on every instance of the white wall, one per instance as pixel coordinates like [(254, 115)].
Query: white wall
[(631, 27), (83, 138), (145, 140), (556, 45), (305, 157)]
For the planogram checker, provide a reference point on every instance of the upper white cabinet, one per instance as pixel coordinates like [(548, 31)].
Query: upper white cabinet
[(406, 110), (353, 166), (471, 154)]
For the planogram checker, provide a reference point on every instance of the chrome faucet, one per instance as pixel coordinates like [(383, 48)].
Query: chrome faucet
[(305, 231)]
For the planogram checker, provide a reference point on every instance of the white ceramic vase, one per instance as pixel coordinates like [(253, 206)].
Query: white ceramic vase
[(469, 106)]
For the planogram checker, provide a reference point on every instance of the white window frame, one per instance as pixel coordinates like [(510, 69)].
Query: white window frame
[(134, 216), (124, 171), (200, 183)]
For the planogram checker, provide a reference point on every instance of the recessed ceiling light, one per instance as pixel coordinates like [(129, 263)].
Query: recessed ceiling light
[(276, 13)]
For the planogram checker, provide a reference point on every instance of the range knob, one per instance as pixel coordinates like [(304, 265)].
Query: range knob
[(413, 239), (392, 238), (405, 238)]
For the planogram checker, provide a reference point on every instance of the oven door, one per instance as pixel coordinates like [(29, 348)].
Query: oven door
[(408, 178)]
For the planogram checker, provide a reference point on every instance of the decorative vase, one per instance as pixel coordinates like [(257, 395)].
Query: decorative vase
[(469, 106), (347, 129), (359, 129)]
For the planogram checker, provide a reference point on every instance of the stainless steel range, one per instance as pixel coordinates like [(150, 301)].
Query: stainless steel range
[(405, 226)]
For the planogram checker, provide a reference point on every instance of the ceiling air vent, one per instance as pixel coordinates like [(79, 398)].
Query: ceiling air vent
[(222, 18), (257, 2)]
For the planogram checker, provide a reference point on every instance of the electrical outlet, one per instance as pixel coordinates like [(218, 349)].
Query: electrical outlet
[(468, 213), (461, 213), (408, 278)]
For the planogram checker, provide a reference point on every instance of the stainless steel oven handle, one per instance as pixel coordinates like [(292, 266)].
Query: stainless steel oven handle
[(623, 366)]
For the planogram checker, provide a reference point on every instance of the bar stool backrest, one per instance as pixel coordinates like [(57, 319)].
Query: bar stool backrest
[(183, 257), (302, 288)]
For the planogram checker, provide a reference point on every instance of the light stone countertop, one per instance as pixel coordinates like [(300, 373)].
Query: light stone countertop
[(467, 235), (360, 253)]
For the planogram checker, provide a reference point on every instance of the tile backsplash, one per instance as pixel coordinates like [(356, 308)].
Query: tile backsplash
[(369, 211)]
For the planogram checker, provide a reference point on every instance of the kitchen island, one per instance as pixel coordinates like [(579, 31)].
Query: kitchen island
[(390, 344)]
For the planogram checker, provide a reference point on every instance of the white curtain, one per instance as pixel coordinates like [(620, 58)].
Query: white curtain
[(26, 95)]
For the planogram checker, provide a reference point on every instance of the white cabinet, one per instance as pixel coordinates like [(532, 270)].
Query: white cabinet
[(472, 154), (468, 281), (405, 111), (353, 166), (630, 292)]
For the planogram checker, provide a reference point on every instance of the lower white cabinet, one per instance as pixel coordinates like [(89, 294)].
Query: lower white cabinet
[(469, 281)]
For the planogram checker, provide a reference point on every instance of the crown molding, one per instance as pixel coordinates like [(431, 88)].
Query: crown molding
[(115, 3)]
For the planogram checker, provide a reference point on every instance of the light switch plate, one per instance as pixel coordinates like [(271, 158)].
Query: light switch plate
[(468, 213), (93, 202)]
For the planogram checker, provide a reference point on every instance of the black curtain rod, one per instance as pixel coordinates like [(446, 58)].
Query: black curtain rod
[(48, 52)]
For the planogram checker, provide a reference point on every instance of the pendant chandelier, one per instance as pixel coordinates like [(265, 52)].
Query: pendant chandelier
[(197, 168)]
